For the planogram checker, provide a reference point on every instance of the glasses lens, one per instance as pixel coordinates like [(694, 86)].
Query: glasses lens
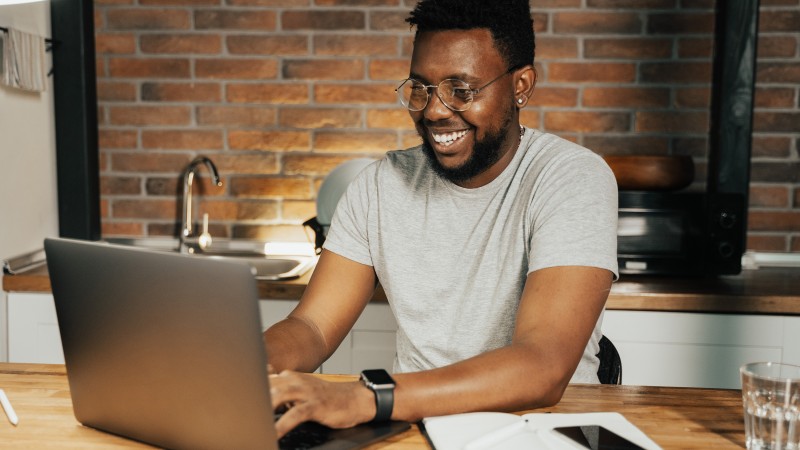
[(413, 95), (456, 94)]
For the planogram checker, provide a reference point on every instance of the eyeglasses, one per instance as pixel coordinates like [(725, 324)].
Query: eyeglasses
[(456, 94)]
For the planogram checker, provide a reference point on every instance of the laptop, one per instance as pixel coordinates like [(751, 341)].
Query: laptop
[(167, 349)]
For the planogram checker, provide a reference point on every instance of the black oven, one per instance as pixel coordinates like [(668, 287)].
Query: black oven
[(691, 233)]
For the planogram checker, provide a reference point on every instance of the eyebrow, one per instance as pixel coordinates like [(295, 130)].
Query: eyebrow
[(469, 79)]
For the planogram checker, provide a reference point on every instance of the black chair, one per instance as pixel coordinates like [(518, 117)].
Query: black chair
[(610, 371)]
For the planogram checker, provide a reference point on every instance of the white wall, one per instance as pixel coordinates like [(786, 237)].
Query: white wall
[(28, 203)]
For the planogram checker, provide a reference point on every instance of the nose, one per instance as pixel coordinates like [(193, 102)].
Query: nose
[(436, 109)]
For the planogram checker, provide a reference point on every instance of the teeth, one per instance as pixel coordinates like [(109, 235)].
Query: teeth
[(448, 138)]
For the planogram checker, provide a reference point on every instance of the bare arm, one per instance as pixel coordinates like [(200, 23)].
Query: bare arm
[(558, 311), (336, 295)]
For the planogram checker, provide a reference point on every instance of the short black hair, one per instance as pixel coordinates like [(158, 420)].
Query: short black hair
[(509, 21)]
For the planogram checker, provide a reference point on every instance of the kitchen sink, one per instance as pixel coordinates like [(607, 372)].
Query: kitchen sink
[(269, 260)]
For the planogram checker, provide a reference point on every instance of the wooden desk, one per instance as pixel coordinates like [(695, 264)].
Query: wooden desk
[(675, 418)]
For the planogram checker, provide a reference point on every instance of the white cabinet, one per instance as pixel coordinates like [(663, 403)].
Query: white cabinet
[(33, 335), (695, 349)]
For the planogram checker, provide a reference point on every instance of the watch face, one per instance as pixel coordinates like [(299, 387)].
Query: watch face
[(377, 377)]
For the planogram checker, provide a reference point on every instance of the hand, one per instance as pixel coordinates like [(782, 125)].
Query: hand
[(308, 398)]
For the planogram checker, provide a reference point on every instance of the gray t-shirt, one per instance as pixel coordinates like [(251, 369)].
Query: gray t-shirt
[(453, 261)]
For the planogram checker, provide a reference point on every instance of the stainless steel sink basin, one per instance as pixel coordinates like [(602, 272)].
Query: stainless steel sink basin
[(270, 261)]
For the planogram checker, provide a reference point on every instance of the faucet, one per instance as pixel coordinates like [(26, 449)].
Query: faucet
[(187, 220)]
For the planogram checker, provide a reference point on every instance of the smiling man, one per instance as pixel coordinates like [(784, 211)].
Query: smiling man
[(495, 243)]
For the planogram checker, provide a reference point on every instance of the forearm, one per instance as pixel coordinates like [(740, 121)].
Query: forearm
[(294, 345), (508, 379)]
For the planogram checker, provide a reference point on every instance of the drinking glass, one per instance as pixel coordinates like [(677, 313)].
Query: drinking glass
[(771, 400)]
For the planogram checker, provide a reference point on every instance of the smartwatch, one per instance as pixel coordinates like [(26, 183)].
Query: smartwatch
[(381, 383)]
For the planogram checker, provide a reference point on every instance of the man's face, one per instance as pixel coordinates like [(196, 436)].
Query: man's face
[(470, 147)]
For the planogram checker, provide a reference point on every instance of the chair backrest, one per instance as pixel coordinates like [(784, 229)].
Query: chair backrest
[(610, 371)]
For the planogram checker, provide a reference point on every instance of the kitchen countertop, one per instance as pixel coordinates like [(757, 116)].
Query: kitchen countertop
[(763, 291)]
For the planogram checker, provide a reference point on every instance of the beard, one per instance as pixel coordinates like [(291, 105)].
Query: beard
[(485, 153)]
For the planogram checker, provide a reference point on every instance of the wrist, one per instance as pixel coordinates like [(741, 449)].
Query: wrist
[(381, 384)]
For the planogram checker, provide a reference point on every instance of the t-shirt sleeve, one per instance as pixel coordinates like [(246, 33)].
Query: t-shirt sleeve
[(574, 221), (348, 234)]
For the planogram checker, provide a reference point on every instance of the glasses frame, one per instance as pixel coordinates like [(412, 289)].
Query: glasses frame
[(430, 87)]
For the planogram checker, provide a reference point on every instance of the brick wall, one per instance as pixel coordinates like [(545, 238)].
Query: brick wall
[(279, 92)]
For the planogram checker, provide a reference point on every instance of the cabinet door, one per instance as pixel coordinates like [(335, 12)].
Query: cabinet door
[(692, 349), (33, 335)]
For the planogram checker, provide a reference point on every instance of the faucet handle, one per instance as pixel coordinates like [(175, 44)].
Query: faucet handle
[(204, 241)]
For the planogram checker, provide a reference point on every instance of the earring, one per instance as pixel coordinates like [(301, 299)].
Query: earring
[(520, 100)]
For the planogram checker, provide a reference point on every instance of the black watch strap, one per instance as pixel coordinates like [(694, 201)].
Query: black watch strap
[(382, 385), (384, 403)]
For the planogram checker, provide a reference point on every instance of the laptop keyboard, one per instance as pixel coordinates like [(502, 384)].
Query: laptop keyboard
[(305, 436)]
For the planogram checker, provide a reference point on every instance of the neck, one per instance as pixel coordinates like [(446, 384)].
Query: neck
[(511, 143)]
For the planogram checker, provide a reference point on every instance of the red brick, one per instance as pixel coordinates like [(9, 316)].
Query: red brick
[(778, 72), (236, 116), (298, 210), (180, 43), (259, 163), (282, 187), (179, 2), (355, 93), (774, 98), (680, 23), (591, 72), (117, 139), (692, 146), (310, 164), (241, 210), (778, 20), (148, 68), (150, 209), (626, 97), (394, 118), (168, 229), (543, 4), (628, 48), (633, 4), (319, 118), (541, 22), (771, 146), (147, 19), (279, 93), (323, 20), (796, 202), (161, 186), (106, 43), (596, 22), (269, 3), (278, 233), (554, 96), (695, 47), (774, 220), (355, 45), (774, 171), (114, 185), (410, 140), (267, 45), (629, 144), (676, 72), (234, 20), (672, 122), (355, 2), (776, 46), (795, 245), (388, 69), (177, 92), (693, 97), (238, 69), (768, 196), (388, 21), (150, 115), (586, 121), (114, 92), (269, 140), (182, 139), (530, 118), (766, 242), (149, 162), (350, 141), (324, 69), (111, 229), (556, 47), (776, 122)]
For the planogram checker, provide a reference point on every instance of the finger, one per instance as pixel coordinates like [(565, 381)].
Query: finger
[(270, 369), (290, 419)]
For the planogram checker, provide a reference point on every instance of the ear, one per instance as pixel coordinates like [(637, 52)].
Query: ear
[(524, 84)]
